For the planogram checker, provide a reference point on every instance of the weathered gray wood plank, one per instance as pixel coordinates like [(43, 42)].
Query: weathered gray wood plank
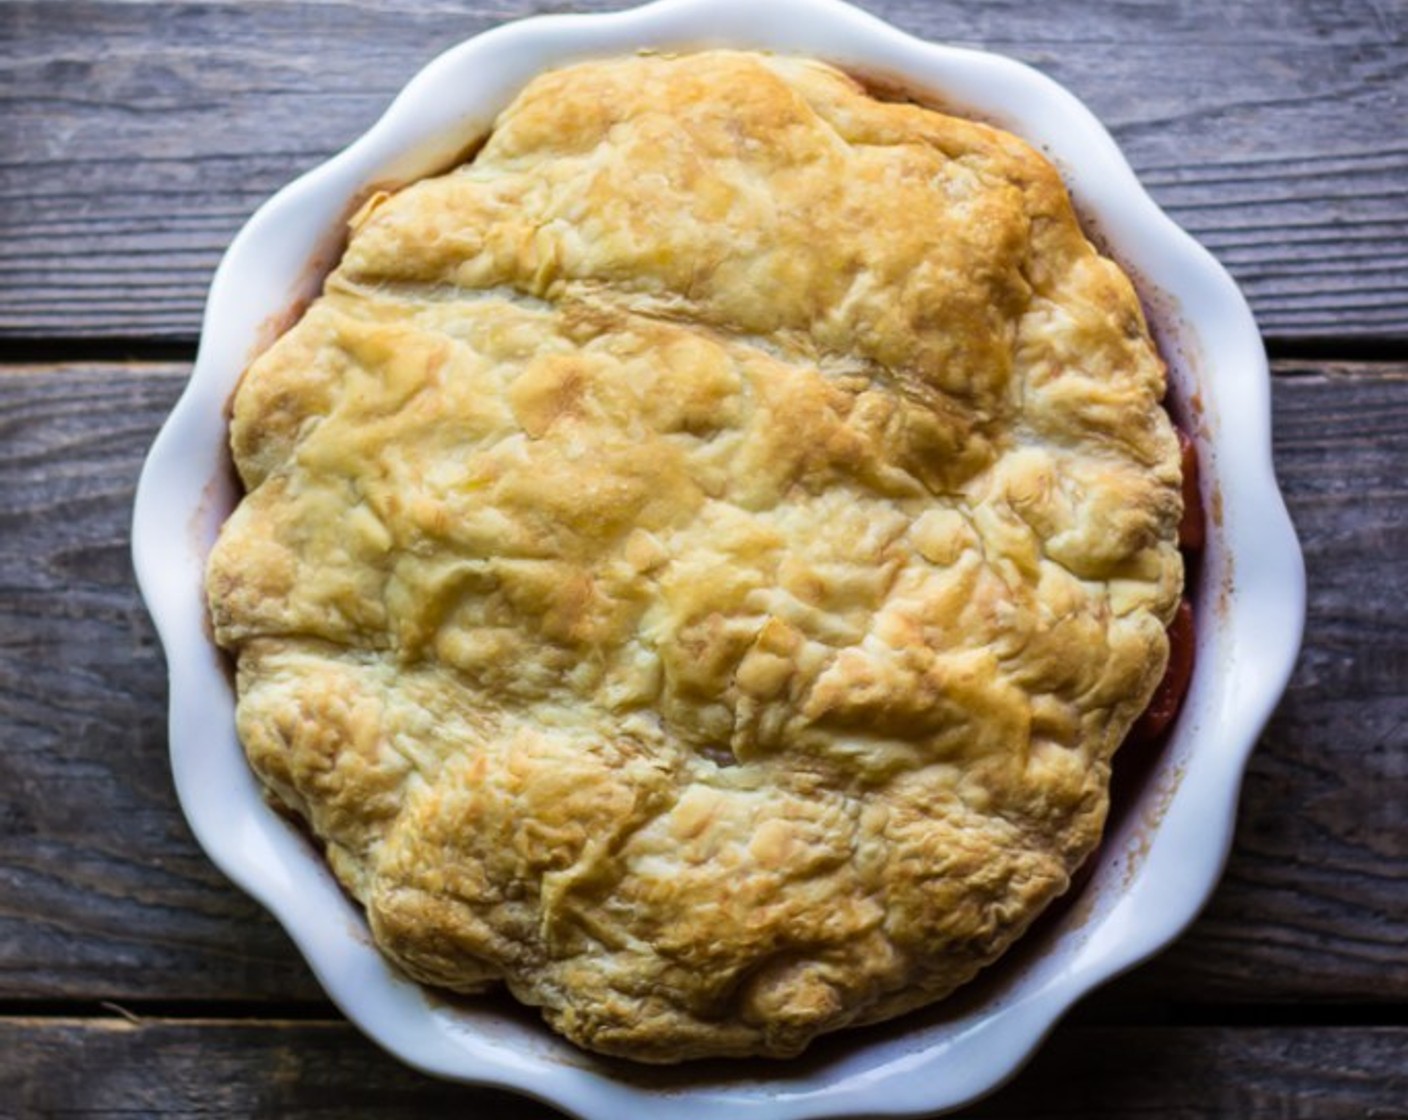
[(104, 895), (136, 137), (294, 1071), (101, 886)]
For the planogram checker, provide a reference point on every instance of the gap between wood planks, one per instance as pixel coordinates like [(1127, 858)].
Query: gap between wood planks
[(1150, 1013), (58, 351)]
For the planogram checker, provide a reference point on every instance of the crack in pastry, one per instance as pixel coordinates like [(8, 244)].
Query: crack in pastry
[(699, 557)]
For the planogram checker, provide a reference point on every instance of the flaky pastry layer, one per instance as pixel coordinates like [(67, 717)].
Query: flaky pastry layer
[(700, 556)]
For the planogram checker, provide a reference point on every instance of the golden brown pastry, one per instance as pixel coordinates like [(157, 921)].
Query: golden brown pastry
[(700, 556)]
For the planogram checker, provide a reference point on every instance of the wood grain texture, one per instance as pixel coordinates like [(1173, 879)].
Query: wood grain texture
[(102, 888), (302, 1071), (103, 894), (135, 138)]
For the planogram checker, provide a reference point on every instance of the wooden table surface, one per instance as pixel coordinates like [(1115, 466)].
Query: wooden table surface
[(136, 137)]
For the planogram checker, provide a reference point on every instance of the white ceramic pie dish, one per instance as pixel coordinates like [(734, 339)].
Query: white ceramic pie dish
[(1164, 852)]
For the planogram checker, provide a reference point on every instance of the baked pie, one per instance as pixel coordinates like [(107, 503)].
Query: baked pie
[(699, 557)]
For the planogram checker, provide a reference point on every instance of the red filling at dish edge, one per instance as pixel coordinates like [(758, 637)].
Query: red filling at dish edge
[(1168, 697), (1140, 750)]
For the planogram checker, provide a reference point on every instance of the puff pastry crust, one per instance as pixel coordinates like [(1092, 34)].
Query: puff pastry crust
[(700, 556)]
